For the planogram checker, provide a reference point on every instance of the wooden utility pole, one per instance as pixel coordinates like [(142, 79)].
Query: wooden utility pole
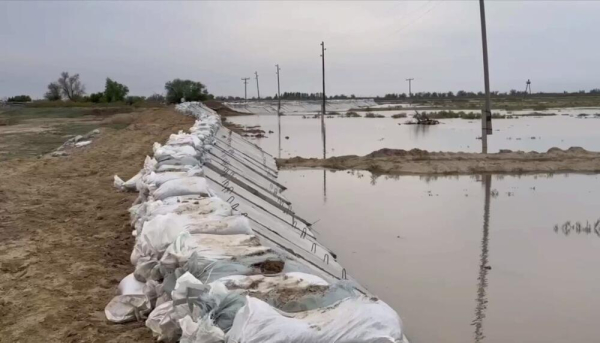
[(245, 79), (257, 89), (324, 101), (486, 118), (410, 87), (278, 92)]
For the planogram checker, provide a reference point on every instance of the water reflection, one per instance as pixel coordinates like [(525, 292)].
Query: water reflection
[(481, 305), (567, 228), (279, 135)]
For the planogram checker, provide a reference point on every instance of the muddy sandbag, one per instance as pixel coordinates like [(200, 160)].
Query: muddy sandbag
[(127, 308), (182, 186), (291, 292), (157, 234), (213, 247), (353, 320), (206, 207)]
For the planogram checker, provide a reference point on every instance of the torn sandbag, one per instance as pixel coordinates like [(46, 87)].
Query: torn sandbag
[(354, 320), (182, 186), (127, 308)]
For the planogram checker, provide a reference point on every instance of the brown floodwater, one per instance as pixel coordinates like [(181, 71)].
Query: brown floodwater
[(490, 259)]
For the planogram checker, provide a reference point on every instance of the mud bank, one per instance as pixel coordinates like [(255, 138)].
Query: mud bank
[(415, 161)]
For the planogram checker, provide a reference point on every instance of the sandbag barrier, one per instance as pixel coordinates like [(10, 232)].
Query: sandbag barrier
[(221, 256)]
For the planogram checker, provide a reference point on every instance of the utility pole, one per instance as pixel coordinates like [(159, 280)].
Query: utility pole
[(410, 87), (278, 93), (257, 89), (245, 79), (486, 118), (324, 101)]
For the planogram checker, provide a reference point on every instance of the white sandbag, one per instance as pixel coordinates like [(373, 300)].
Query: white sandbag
[(183, 186), (353, 320), (129, 185), (163, 323), (130, 286), (174, 151), (213, 247), (201, 332), (212, 207), (184, 139), (158, 179), (127, 308), (157, 234)]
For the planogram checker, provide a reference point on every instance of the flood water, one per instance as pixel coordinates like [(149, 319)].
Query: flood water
[(490, 259), (360, 136)]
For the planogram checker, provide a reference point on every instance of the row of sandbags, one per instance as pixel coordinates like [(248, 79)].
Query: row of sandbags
[(202, 276)]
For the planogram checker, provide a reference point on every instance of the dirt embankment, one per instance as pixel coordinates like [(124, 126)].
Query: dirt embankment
[(392, 161), (65, 237)]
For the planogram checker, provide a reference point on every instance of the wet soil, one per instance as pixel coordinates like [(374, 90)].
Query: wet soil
[(416, 161), (65, 235)]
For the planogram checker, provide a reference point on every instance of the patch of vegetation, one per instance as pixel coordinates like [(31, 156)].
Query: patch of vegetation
[(399, 115), (373, 115), (463, 115), (352, 114), (333, 113), (19, 98)]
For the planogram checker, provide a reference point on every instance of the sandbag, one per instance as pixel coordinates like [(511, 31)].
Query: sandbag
[(183, 186), (157, 179), (203, 331), (211, 208), (129, 185), (130, 286), (213, 248), (173, 151), (127, 308), (354, 320)]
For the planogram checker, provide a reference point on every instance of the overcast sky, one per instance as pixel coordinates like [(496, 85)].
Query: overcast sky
[(372, 47)]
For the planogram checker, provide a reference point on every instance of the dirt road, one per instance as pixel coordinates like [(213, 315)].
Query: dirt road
[(391, 161), (65, 238)]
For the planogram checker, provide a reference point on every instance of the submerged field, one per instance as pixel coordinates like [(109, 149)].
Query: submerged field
[(479, 258)]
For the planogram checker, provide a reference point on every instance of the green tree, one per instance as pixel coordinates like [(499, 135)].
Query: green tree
[(115, 91), (53, 93), (186, 89), (19, 98), (97, 97)]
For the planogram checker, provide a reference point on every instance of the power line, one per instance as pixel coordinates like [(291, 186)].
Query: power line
[(324, 100), (418, 18), (278, 92), (245, 79), (410, 80), (257, 89)]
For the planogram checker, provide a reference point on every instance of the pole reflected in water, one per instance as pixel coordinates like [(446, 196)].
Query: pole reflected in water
[(481, 305), (279, 133)]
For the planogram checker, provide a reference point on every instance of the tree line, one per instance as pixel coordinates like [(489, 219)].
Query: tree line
[(69, 87), (465, 94)]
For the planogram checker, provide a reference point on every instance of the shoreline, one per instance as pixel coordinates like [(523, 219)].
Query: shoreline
[(420, 162)]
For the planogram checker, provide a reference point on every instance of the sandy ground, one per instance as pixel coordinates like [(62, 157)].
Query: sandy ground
[(391, 161), (65, 236)]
